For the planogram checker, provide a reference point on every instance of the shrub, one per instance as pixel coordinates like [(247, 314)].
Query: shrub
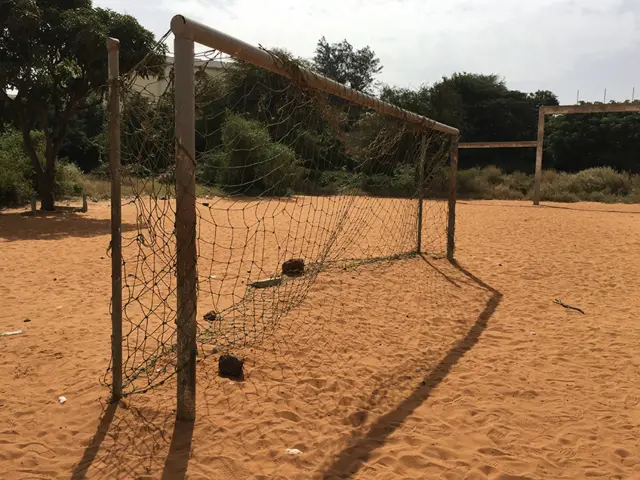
[(604, 180), (17, 174), (340, 182), (472, 184), (558, 189), (68, 179), (504, 192), (520, 182), (250, 162), (16, 171), (492, 175), (635, 184)]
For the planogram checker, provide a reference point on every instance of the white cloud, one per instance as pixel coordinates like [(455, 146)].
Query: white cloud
[(560, 45)]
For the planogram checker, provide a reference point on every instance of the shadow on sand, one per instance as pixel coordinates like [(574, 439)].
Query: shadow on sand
[(352, 458), (61, 223)]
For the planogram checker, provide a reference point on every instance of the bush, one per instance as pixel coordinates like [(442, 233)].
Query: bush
[(250, 162), (492, 175), (603, 180), (519, 182), (340, 182), (16, 171), (472, 184), (68, 180), (504, 192), (17, 174)]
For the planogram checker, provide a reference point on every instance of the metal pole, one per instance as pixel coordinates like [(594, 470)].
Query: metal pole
[(113, 48), (186, 262), (453, 182), (423, 157), (538, 177)]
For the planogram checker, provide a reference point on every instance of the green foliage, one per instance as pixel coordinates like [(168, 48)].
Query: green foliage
[(595, 184), (16, 171), (340, 62), (249, 161), (578, 142), (147, 134), (53, 54), (604, 179), (85, 142), (68, 180)]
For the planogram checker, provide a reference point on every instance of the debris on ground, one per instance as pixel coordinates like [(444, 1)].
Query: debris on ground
[(230, 367)]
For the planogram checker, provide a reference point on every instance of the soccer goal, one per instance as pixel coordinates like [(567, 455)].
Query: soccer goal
[(545, 111), (245, 177)]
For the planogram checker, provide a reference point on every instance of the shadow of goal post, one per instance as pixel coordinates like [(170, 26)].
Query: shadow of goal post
[(187, 33)]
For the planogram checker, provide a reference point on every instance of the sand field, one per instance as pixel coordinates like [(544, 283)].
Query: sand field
[(409, 369)]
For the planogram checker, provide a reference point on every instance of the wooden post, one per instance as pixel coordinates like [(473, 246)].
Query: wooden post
[(539, 146), (453, 183), (34, 205), (113, 48), (186, 261), (423, 156)]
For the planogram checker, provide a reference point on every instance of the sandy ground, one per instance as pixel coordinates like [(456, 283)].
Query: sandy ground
[(413, 369)]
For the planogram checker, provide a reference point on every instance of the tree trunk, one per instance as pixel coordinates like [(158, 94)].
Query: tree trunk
[(46, 185)]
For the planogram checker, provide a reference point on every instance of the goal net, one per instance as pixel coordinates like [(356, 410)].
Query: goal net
[(292, 181)]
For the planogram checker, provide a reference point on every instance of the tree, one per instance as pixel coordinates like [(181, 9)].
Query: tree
[(543, 98), (53, 53), (340, 62), (82, 144)]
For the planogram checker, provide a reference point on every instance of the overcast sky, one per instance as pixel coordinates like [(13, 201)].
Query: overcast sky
[(559, 45)]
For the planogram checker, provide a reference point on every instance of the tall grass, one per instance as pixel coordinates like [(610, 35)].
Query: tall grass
[(601, 184)]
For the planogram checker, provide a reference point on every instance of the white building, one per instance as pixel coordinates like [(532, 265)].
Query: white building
[(155, 87)]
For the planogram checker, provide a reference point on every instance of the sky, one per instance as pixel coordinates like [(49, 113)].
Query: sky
[(558, 45)]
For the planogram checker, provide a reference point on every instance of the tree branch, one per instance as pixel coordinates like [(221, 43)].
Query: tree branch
[(29, 148), (63, 126)]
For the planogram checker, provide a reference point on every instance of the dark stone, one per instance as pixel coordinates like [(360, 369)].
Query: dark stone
[(230, 367), (206, 204), (211, 316), (293, 267)]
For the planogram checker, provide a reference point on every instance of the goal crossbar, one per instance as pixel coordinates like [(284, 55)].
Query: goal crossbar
[(522, 144), (188, 29)]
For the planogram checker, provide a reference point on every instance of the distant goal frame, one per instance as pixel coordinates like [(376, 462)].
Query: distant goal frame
[(538, 144)]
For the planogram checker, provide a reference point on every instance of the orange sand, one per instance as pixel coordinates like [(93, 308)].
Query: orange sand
[(414, 369)]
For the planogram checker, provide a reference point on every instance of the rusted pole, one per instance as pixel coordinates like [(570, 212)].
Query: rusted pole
[(186, 261), (539, 147), (113, 49), (453, 182), (421, 163), (190, 29), (592, 108)]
